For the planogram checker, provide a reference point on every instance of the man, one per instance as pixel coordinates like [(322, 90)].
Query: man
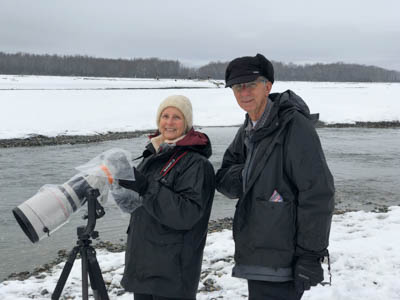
[(276, 167)]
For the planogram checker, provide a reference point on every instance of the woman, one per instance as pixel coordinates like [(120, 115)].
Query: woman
[(167, 233)]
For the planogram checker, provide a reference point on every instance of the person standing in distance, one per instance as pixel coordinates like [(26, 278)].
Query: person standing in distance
[(276, 167)]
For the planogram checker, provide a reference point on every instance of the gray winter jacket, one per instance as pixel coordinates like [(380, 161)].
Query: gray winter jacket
[(286, 204)]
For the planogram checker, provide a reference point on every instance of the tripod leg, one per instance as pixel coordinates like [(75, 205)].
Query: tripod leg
[(64, 274), (85, 283), (96, 278)]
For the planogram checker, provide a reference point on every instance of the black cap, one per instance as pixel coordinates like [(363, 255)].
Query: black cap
[(248, 68)]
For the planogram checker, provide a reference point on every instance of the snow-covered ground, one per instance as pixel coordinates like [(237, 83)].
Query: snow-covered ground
[(74, 105), (364, 251), (364, 246)]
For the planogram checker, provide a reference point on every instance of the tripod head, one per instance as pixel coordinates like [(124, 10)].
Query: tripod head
[(95, 211)]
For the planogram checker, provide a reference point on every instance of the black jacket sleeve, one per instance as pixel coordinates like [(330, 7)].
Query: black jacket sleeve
[(307, 168), (182, 205), (229, 176)]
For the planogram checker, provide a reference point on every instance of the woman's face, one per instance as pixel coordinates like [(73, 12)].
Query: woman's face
[(172, 123)]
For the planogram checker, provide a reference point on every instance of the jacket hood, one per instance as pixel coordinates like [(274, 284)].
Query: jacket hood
[(289, 101), (195, 141), (285, 105)]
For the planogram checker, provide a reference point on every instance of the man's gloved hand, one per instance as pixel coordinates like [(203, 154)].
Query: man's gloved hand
[(139, 185), (308, 272)]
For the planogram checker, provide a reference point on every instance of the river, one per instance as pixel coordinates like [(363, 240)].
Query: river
[(365, 164)]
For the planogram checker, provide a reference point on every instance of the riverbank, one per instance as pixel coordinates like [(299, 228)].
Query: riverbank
[(363, 248), (62, 255), (41, 140)]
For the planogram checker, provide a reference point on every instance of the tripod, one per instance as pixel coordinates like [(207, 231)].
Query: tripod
[(90, 266)]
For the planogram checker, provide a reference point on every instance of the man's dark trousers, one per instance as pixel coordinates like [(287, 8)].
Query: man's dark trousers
[(151, 297), (267, 290)]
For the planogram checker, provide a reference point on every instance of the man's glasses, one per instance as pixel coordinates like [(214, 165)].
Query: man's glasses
[(247, 85)]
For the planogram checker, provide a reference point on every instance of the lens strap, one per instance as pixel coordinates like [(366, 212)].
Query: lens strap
[(172, 162)]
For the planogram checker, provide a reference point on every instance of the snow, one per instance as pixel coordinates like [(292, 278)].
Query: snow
[(54, 106), (364, 246), (364, 252)]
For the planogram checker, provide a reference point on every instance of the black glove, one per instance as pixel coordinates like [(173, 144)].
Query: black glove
[(139, 185), (308, 272)]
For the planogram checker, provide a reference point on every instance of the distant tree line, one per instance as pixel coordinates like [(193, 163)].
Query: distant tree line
[(32, 64), (338, 72)]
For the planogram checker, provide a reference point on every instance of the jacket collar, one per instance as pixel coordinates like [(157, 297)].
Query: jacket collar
[(193, 140)]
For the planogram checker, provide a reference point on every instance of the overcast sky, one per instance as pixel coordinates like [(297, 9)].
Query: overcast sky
[(197, 32)]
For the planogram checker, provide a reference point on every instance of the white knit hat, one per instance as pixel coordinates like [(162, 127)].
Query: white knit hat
[(180, 102)]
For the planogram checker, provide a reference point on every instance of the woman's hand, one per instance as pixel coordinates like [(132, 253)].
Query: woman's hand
[(138, 185)]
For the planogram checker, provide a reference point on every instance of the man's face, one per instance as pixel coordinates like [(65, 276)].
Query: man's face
[(252, 97)]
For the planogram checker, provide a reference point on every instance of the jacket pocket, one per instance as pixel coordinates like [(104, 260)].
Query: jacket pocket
[(162, 256), (273, 225)]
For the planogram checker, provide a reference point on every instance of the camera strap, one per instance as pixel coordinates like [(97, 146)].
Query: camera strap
[(172, 162)]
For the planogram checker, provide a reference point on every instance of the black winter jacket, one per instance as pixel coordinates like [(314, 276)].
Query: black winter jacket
[(167, 235), (286, 205)]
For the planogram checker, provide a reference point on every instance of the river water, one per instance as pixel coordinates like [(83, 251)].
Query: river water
[(364, 162)]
